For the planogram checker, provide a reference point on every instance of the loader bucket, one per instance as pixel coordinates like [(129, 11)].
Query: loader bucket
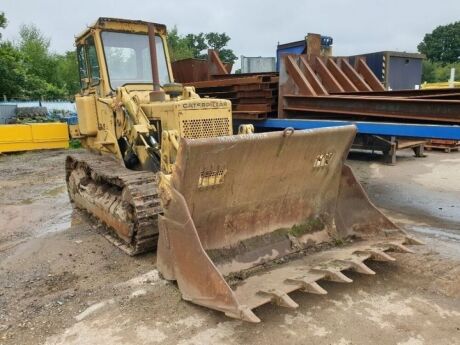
[(250, 218)]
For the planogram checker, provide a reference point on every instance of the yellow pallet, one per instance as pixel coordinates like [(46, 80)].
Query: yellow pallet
[(33, 136)]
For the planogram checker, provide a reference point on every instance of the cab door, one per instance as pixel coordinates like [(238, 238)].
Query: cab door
[(89, 80)]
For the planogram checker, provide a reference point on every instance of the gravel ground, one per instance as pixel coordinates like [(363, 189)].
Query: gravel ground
[(61, 282)]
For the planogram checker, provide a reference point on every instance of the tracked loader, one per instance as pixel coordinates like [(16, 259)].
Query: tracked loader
[(243, 219)]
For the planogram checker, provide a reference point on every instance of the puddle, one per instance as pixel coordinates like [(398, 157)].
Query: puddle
[(441, 234), (27, 201), (55, 191), (61, 222)]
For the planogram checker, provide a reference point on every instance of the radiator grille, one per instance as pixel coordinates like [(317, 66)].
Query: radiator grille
[(205, 128)]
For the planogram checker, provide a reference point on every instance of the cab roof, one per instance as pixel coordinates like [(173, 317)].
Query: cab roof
[(123, 25)]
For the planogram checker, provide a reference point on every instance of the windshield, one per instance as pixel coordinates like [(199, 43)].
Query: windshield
[(128, 58)]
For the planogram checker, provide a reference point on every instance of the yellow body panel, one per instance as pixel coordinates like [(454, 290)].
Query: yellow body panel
[(87, 114), (33, 136)]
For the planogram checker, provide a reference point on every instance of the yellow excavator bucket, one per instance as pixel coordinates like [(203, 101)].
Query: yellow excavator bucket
[(250, 218)]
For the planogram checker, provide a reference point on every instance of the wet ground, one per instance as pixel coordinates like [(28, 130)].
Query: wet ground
[(63, 283)]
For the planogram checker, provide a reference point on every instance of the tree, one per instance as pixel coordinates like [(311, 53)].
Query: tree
[(67, 72), (428, 72), (217, 42), (35, 48), (3, 22), (29, 70), (196, 45), (443, 44), (42, 66), (433, 72), (13, 74), (179, 48)]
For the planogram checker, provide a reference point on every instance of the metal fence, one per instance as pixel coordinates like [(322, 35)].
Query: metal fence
[(8, 109), (50, 105)]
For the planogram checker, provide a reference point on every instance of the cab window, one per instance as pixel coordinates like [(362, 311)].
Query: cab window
[(128, 58), (82, 66), (92, 61)]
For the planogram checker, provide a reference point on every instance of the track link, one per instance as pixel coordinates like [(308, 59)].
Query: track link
[(126, 201)]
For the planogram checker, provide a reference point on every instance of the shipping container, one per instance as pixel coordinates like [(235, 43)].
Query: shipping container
[(257, 64), (396, 70)]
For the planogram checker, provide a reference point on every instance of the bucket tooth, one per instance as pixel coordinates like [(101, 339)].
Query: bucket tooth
[(401, 248), (376, 255), (332, 275), (412, 240), (245, 314), (279, 298), (307, 286), (358, 266)]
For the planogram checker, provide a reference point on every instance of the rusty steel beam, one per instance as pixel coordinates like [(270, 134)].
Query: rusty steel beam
[(340, 76), (299, 78), (228, 82), (355, 78), (455, 96), (311, 77), (405, 93), (369, 76), (216, 65), (330, 83), (402, 108)]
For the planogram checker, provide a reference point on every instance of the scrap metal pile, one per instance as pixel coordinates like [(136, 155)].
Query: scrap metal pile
[(315, 85), (253, 95), (30, 115)]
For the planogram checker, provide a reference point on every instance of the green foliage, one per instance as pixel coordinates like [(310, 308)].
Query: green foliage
[(29, 70), (3, 22), (67, 72), (74, 144), (179, 48), (443, 44), (434, 72), (195, 46), (13, 75), (217, 42)]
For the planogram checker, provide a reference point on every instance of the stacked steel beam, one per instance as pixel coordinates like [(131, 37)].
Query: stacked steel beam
[(253, 96), (327, 87)]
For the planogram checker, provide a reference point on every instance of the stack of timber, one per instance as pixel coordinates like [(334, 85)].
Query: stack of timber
[(444, 145), (253, 95)]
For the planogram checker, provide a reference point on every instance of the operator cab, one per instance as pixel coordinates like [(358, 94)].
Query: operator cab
[(124, 45)]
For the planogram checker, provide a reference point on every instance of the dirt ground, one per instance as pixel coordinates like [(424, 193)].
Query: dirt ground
[(63, 283)]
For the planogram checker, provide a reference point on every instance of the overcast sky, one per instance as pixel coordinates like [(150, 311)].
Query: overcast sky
[(357, 26)]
